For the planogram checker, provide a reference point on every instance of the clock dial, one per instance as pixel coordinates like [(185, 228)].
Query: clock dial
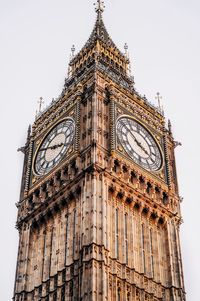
[(54, 146), (139, 144)]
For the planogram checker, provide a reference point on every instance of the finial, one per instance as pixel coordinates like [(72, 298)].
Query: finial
[(28, 135), (127, 58), (40, 102), (29, 131), (159, 98), (23, 148), (126, 49), (99, 7), (73, 49), (169, 126)]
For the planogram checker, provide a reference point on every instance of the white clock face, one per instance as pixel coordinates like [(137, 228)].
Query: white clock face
[(54, 146), (139, 144)]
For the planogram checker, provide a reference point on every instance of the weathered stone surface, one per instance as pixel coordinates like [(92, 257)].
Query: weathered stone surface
[(98, 226)]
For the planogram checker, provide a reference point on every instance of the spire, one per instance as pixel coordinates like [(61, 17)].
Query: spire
[(101, 45), (99, 31)]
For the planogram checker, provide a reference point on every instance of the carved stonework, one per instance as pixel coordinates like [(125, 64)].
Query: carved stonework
[(97, 225)]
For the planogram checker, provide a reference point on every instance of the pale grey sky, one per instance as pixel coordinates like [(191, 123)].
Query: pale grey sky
[(164, 46)]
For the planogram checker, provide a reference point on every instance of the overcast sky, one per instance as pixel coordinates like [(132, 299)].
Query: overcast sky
[(164, 46)]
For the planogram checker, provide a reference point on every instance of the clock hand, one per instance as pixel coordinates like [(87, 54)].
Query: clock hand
[(146, 152), (139, 143), (52, 147), (135, 139), (56, 146), (144, 149)]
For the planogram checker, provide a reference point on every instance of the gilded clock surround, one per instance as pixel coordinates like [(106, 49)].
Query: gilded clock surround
[(98, 216)]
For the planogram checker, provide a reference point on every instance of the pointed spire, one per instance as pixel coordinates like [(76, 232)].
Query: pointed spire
[(100, 40), (99, 31)]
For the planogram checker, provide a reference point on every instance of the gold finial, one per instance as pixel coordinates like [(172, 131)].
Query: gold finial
[(159, 98), (99, 7), (40, 102)]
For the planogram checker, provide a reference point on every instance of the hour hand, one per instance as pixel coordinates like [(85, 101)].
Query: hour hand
[(52, 147)]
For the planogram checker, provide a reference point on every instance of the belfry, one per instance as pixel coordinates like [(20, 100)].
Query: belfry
[(99, 209)]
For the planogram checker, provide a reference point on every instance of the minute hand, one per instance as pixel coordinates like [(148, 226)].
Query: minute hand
[(141, 146), (138, 143)]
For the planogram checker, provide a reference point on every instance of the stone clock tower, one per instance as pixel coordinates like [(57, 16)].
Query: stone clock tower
[(99, 211)]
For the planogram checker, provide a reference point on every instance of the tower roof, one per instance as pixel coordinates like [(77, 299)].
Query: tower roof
[(99, 41), (100, 33)]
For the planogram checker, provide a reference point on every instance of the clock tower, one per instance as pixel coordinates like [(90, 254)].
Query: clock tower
[(99, 209)]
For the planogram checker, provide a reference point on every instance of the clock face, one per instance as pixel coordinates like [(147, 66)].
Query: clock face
[(54, 146), (139, 144)]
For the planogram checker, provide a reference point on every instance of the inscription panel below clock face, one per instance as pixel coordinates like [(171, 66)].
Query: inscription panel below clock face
[(54, 146), (139, 144)]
